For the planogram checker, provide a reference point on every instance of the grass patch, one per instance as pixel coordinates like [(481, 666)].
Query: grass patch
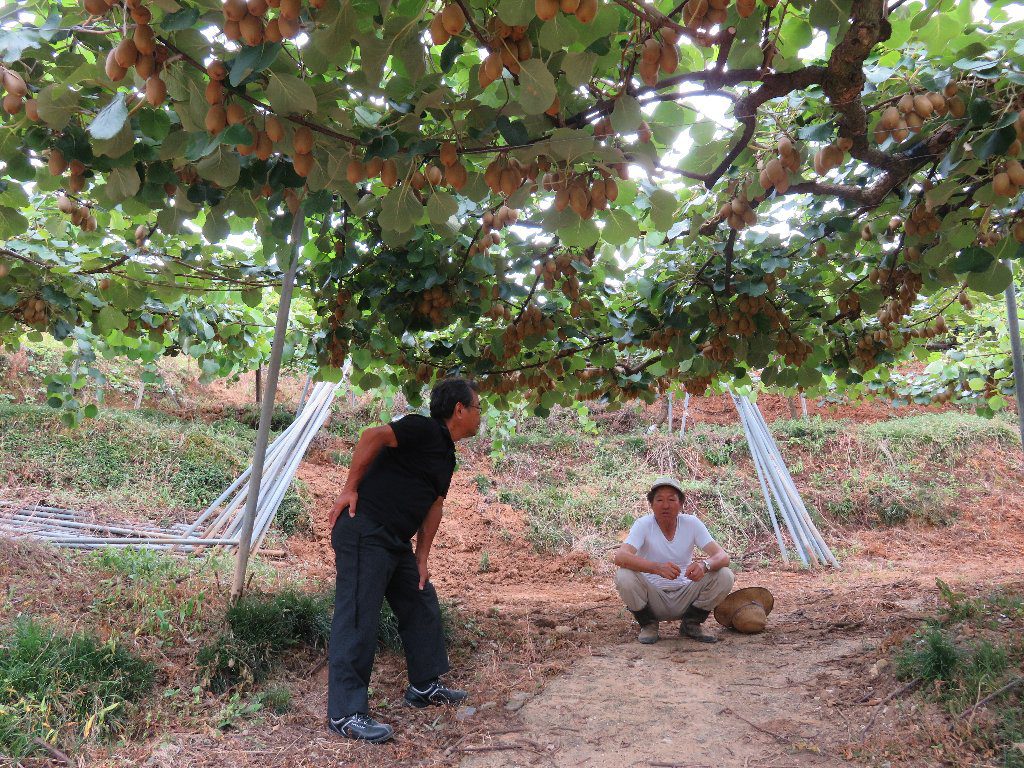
[(143, 589), (249, 416), (136, 462), (970, 650), (937, 436), (261, 629), (64, 688)]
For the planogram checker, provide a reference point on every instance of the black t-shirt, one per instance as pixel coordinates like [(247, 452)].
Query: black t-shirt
[(404, 482)]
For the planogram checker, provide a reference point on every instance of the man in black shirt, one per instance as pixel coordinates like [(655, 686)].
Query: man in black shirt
[(398, 478)]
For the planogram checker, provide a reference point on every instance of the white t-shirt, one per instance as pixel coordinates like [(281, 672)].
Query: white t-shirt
[(651, 544)]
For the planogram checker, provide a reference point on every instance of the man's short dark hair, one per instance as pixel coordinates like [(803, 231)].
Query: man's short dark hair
[(447, 392)]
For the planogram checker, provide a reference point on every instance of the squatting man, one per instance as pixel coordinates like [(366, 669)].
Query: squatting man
[(399, 476), (657, 577)]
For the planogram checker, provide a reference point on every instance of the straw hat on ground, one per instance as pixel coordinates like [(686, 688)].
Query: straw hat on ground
[(746, 610)]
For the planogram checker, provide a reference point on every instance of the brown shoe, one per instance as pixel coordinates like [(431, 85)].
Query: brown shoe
[(691, 627), (648, 633)]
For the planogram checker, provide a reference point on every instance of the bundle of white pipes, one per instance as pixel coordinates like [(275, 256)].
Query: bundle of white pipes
[(780, 492), (220, 524)]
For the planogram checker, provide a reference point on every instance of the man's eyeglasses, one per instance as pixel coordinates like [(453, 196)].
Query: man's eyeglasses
[(477, 406)]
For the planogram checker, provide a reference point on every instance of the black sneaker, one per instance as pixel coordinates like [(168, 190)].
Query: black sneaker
[(362, 727), (435, 693)]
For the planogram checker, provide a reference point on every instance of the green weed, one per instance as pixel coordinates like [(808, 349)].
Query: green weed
[(64, 688), (261, 629), (969, 651)]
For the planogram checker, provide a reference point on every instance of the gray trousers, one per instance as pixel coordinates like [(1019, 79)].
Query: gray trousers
[(668, 604)]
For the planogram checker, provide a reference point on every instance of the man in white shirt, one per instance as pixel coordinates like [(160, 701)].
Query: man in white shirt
[(658, 577)]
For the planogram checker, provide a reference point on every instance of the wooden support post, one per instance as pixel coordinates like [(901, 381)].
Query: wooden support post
[(267, 406), (259, 385), (670, 413), (138, 396)]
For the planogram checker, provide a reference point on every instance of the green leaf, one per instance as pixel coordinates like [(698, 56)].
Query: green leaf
[(536, 87), (155, 123), (178, 20), (123, 183), (581, 233), (971, 260), (117, 146), (200, 144), (663, 209), (619, 226), (12, 223), (222, 167), (578, 67), (626, 116), (111, 319), (450, 53), (236, 134), (556, 34), (290, 95), (826, 14), (57, 103), (400, 210), (992, 281), (440, 207), (516, 13), (111, 119), (513, 131), (254, 59)]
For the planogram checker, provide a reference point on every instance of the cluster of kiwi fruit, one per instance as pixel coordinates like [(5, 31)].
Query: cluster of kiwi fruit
[(794, 351), (742, 320), (1009, 177), (141, 52), (661, 339), (532, 322), (584, 10), (81, 215), (505, 175), (832, 155), (911, 111), (658, 56), (57, 164), (738, 212), (849, 305), (16, 95), (584, 192), (552, 270), (775, 171), (718, 348), (434, 303), (246, 20), (507, 46), (490, 225), (447, 23), (928, 330), (33, 311), (921, 222)]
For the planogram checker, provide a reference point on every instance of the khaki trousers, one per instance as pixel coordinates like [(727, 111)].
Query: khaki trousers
[(666, 605)]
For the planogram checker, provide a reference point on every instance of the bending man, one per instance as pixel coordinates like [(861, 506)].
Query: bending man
[(658, 578), (397, 481)]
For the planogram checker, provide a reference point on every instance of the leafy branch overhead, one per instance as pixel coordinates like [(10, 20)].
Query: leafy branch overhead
[(563, 198)]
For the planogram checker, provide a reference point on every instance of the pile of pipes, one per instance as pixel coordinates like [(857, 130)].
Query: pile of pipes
[(220, 524), (780, 491)]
